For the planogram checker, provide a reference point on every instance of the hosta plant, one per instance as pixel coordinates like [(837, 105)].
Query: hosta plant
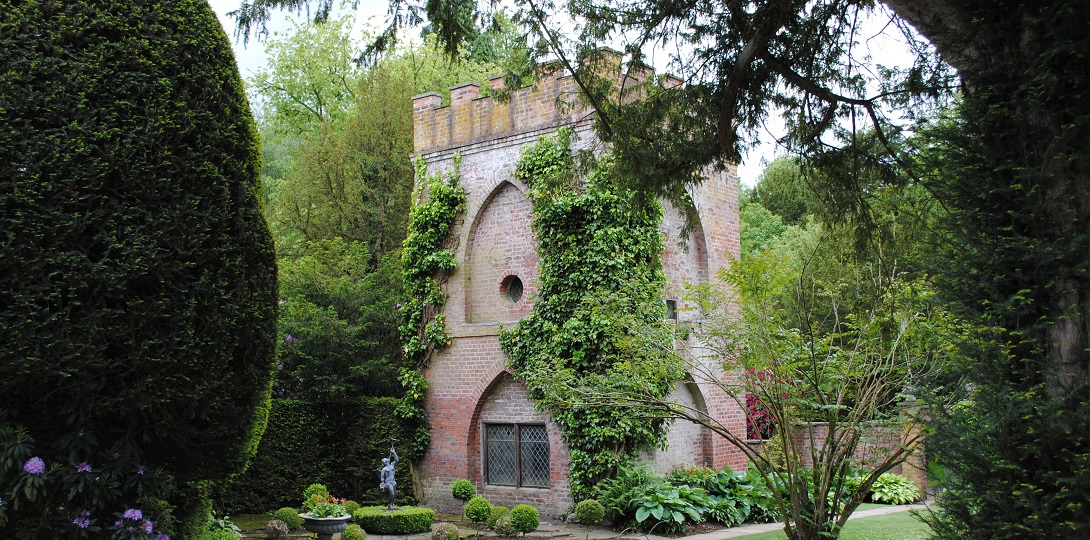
[(893, 489)]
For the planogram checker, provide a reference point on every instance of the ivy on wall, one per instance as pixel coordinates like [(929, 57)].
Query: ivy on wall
[(601, 275), (426, 263)]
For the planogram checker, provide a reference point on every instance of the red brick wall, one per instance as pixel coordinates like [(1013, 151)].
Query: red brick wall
[(501, 244)]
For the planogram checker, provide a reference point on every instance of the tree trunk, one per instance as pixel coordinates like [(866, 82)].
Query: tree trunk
[(1025, 60)]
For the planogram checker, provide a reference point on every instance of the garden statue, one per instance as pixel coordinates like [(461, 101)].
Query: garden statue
[(387, 483)]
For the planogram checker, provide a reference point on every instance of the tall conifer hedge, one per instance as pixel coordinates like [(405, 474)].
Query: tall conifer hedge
[(137, 275)]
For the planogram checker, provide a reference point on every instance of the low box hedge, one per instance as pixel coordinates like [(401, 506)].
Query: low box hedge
[(403, 520)]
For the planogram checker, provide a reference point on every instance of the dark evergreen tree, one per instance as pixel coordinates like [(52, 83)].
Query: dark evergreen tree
[(137, 275)]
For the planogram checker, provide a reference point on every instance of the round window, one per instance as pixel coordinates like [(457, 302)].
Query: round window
[(511, 288)]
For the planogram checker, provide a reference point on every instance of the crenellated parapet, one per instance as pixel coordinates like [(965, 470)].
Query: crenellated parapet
[(551, 102), (471, 118)]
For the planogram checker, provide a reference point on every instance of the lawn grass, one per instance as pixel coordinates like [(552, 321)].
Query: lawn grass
[(896, 526), (251, 523)]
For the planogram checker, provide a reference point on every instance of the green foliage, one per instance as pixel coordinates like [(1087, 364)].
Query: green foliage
[(219, 534), (692, 475), (669, 508), (324, 506), (621, 494), (338, 335), (425, 261), (336, 134), (463, 490), (478, 509), (639, 499), (503, 526), (137, 275), (403, 520), (351, 507), (1014, 441), (759, 227), (497, 512), (589, 512), (524, 518), (445, 531), (311, 491), (340, 443), (195, 510), (783, 189), (353, 532), (893, 489), (690, 496), (600, 274), (217, 526), (290, 517), (818, 344)]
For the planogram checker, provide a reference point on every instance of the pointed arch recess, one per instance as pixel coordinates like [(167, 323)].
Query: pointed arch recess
[(501, 249)]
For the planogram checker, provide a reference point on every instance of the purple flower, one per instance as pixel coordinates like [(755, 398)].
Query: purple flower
[(163, 536), (279, 366), (34, 466), (133, 513), (117, 523), (140, 470), (147, 526), (288, 338), (83, 467), (399, 306), (81, 522)]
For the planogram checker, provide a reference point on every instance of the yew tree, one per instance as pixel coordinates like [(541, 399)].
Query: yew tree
[(137, 274)]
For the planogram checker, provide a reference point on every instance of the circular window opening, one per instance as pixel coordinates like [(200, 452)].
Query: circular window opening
[(511, 288)]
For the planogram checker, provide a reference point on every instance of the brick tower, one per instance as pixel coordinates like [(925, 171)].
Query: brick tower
[(483, 425)]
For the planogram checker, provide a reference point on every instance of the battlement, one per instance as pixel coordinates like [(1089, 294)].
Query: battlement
[(550, 103)]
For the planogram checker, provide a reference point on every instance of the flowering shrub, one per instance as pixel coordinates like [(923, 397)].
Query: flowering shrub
[(323, 506), (759, 422), (109, 494), (320, 504)]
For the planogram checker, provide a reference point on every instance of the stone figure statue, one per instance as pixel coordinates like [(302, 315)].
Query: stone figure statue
[(387, 482)]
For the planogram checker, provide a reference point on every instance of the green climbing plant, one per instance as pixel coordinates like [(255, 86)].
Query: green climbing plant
[(426, 262), (600, 262)]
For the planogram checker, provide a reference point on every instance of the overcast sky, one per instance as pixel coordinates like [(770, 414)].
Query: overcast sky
[(252, 58)]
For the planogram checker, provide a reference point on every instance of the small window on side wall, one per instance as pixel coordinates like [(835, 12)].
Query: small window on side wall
[(516, 455), (671, 310)]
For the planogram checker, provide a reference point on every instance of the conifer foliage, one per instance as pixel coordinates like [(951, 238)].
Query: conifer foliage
[(137, 275)]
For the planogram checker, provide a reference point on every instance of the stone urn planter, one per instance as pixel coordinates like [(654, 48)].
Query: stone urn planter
[(325, 527)]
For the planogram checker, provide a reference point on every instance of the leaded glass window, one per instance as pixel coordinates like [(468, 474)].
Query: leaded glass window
[(516, 455)]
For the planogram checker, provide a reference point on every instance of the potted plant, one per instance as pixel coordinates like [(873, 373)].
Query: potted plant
[(324, 514)]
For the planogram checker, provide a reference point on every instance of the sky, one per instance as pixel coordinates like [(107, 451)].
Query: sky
[(889, 49)]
